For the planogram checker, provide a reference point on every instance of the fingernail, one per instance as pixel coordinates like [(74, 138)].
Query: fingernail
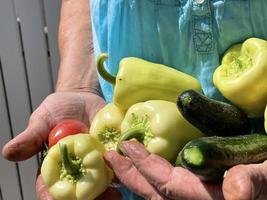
[(11, 151), (134, 150), (109, 155)]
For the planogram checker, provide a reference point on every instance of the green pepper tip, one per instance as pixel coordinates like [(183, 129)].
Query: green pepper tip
[(102, 71)]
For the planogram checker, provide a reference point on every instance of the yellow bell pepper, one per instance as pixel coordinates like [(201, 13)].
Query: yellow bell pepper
[(159, 125), (106, 125), (242, 76), (139, 80), (74, 168)]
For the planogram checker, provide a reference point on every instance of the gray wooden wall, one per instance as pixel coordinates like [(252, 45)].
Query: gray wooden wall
[(28, 67)]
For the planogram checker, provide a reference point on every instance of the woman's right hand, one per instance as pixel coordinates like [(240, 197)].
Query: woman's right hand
[(58, 106)]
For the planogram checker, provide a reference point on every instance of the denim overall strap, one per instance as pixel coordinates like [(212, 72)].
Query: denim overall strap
[(202, 26)]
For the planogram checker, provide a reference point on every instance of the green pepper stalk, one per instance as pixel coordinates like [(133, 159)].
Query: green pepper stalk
[(72, 168), (102, 71), (133, 133), (139, 80)]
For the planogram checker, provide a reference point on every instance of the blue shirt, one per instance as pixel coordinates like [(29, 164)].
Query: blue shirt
[(188, 35)]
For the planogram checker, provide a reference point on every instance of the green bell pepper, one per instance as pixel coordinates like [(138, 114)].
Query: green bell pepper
[(242, 76), (74, 168), (139, 80), (106, 125), (159, 125)]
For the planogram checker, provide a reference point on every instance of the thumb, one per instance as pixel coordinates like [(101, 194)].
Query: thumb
[(41, 189), (245, 182), (29, 142)]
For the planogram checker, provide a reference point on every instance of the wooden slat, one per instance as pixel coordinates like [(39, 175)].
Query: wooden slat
[(1, 196), (29, 77), (9, 189), (52, 13), (30, 13), (13, 66), (16, 88)]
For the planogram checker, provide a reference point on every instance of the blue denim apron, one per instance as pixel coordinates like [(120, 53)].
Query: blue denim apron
[(188, 35)]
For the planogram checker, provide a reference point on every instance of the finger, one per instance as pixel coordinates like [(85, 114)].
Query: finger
[(129, 176), (29, 142), (41, 190), (174, 182), (244, 182)]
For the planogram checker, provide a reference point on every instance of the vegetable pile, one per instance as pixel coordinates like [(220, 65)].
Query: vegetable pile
[(144, 107), (165, 110)]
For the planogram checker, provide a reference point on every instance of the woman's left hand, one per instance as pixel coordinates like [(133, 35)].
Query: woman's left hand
[(152, 177)]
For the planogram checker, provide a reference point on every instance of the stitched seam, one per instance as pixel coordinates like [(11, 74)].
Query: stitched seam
[(203, 40), (173, 3)]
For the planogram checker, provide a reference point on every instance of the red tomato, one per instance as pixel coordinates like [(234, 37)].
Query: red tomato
[(65, 128)]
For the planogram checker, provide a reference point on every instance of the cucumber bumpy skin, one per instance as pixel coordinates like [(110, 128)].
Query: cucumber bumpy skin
[(212, 117), (210, 157)]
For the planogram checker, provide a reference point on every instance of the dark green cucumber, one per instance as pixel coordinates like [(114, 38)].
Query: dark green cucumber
[(209, 157), (212, 117)]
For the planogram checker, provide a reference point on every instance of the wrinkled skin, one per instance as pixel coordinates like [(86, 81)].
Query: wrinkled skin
[(147, 175), (154, 178), (62, 105)]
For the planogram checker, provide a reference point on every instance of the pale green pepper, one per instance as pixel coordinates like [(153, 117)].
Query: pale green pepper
[(159, 125), (106, 125), (139, 80), (74, 168), (242, 76)]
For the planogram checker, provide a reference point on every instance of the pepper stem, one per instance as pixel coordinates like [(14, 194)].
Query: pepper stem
[(71, 167), (133, 133), (102, 71)]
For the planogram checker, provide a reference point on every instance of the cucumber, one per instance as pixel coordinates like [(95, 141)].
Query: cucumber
[(210, 157), (212, 117)]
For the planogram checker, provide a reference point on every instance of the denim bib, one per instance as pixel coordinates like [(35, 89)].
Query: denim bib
[(188, 35)]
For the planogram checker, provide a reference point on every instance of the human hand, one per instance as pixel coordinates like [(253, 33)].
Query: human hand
[(152, 177), (56, 107)]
